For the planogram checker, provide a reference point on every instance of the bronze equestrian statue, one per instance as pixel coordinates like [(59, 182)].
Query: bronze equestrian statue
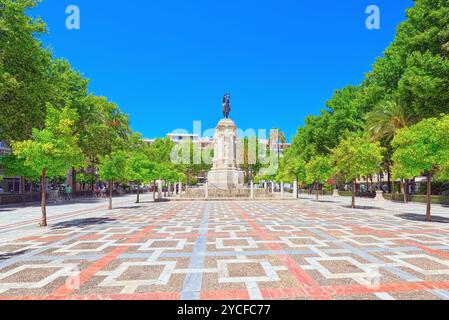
[(226, 105)]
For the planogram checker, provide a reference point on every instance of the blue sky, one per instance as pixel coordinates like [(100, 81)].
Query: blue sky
[(167, 63)]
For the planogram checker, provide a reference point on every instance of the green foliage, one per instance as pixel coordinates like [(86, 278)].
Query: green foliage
[(139, 168), (24, 69), (85, 177), (102, 127), (423, 148), (53, 149), (355, 157), (14, 167), (323, 132), (386, 119), (407, 84), (251, 162), (319, 169), (113, 167), (424, 84), (160, 150), (295, 168)]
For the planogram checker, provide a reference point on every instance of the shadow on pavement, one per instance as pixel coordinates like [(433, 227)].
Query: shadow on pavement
[(422, 217), (162, 200), (82, 223), (52, 203), (363, 207), (7, 256), (129, 207)]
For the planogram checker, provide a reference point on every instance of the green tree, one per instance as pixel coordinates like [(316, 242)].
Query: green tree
[(251, 162), (386, 119), (13, 166), (424, 148), (343, 113), (52, 151), (139, 170), (319, 170), (276, 138), (113, 169), (401, 173), (296, 167), (24, 69), (382, 124), (355, 157)]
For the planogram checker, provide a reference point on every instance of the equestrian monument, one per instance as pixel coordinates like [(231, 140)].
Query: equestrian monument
[(225, 173)]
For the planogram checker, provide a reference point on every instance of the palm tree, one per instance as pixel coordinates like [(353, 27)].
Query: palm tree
[(383, 123), (278, 137), (386, 119)]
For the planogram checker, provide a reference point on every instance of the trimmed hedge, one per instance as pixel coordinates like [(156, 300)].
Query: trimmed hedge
[(416, 198), (371, 195)]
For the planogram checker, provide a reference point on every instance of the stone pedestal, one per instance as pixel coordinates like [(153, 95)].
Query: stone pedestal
[(295, 189), (159, 189), (336, 193), (379, 196), (225, 173), (252, 190)]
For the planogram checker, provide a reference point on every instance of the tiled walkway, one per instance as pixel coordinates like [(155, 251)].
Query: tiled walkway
[(297, 249)]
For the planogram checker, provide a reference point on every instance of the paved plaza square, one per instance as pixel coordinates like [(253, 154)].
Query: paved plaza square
[(291, 249)]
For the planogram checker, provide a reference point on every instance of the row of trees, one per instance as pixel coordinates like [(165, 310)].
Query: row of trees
[(399, 108), (54, 125), (141, 164)]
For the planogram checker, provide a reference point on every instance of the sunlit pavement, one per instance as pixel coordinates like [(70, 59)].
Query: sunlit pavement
[(294, 249)]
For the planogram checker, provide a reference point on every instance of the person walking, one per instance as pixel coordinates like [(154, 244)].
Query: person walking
[(103, 191), (68, 192)]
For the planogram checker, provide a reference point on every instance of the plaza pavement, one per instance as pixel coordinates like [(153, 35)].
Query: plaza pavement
[(293, 249)]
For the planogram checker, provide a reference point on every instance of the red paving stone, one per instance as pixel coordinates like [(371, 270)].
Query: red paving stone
[(289, 243)]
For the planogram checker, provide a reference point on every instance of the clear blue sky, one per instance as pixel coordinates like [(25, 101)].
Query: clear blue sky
[(167, 63)]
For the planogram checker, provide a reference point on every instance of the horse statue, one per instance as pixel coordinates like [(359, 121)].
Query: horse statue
[(226, 105)]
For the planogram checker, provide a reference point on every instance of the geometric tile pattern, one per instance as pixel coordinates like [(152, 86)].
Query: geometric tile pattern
[(227, 250)]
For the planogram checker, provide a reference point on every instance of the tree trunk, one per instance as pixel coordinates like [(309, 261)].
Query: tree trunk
[(316, 188), (22, 189), (73, 181), (154, 190), (353, 193), (429, 197), (110, 194), (21, 185), (138, 195), (389, 179), (379, 182), (44, 194), (404, 190)]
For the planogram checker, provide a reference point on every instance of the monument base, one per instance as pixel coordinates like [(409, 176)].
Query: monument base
[(225, 179), (379, 196), (225, 194)]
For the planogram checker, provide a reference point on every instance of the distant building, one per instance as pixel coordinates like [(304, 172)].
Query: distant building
[(7, 183), (207, 142), (4, 148)]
